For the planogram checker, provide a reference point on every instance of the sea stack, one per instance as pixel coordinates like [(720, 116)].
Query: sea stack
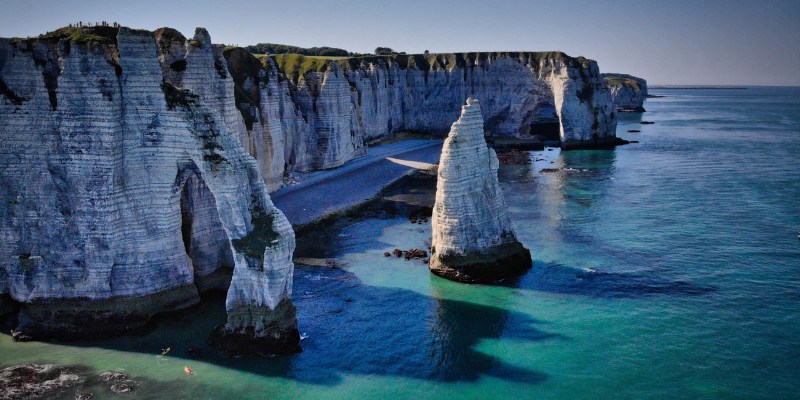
[(473, 239)]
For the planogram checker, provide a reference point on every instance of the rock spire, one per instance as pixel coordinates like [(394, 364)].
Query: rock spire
[(473, 239)]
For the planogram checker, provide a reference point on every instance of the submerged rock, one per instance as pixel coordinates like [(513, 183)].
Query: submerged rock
[(34, 380), (473, 239)]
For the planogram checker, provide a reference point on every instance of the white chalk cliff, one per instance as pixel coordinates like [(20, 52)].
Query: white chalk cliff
[(135, 166), (306, 113), (627, 92), (473, 239), (125, 190)]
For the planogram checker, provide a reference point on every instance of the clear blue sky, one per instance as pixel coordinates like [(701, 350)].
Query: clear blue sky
[(665, 42)]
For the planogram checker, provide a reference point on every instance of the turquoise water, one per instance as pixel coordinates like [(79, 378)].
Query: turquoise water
[(665, 269)]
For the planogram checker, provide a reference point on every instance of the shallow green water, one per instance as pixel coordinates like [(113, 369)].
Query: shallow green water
[(665, 269)]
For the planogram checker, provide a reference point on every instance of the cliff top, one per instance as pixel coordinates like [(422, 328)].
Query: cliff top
[(103, 34), (100, 34), (293, 66), (622, 80)]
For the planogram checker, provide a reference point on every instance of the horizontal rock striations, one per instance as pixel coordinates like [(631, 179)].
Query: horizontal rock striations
[(127, 188), (321, 111), (473, 239), (627, 92), (301, 113)]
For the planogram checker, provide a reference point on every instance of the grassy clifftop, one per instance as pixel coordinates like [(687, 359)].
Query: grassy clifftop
[(293, 66), (99, 34), (619, 80)]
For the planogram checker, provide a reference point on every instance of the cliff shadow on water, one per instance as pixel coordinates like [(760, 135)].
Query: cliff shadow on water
[(353, 329)]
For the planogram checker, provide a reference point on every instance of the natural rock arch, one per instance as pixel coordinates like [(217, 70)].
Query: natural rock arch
[(204, 238)]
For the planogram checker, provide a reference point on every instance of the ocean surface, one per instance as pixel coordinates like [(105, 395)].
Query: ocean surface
[(664, 269)]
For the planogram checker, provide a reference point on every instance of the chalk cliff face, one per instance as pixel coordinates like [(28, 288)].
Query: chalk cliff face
[(627, 92), (135, 166), (473, 239), (323, 111), (126, 188)]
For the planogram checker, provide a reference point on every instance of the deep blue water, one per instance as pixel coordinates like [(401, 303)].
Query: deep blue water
[(668, 269)]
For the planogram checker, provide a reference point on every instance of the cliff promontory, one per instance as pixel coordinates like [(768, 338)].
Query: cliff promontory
[(473, 239), (126, 189), (628, 92)]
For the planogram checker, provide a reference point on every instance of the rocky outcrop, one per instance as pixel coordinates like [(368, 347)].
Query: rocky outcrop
[(322, 111), (473, 239), (628, 92), (127, 188)]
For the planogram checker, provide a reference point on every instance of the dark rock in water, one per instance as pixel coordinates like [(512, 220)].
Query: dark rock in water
[(114, 376), (634, 130), (18, 336), (425, 260), (501, 262), (121, 388), (121, 382), (60, 382), (34, 380), (397, 252), (277, 333), (631, 110), (647, 122), (415, 253), (549, 170), (387, 254)]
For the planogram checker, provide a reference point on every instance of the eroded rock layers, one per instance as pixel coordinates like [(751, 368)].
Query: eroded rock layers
[(473, 239), (627, 92), (307, 113), (126, 188)]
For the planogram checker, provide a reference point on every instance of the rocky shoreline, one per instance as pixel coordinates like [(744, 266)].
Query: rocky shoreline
[(26, 381)]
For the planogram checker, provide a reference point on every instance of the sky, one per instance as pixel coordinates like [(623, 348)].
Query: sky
[(698, 42)]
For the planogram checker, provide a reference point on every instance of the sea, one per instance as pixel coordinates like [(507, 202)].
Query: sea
[(668, 268)]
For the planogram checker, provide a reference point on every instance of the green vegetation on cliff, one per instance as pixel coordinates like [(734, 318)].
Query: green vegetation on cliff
[(272, 48), (618, 81), (99, 34), (296, 65)]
